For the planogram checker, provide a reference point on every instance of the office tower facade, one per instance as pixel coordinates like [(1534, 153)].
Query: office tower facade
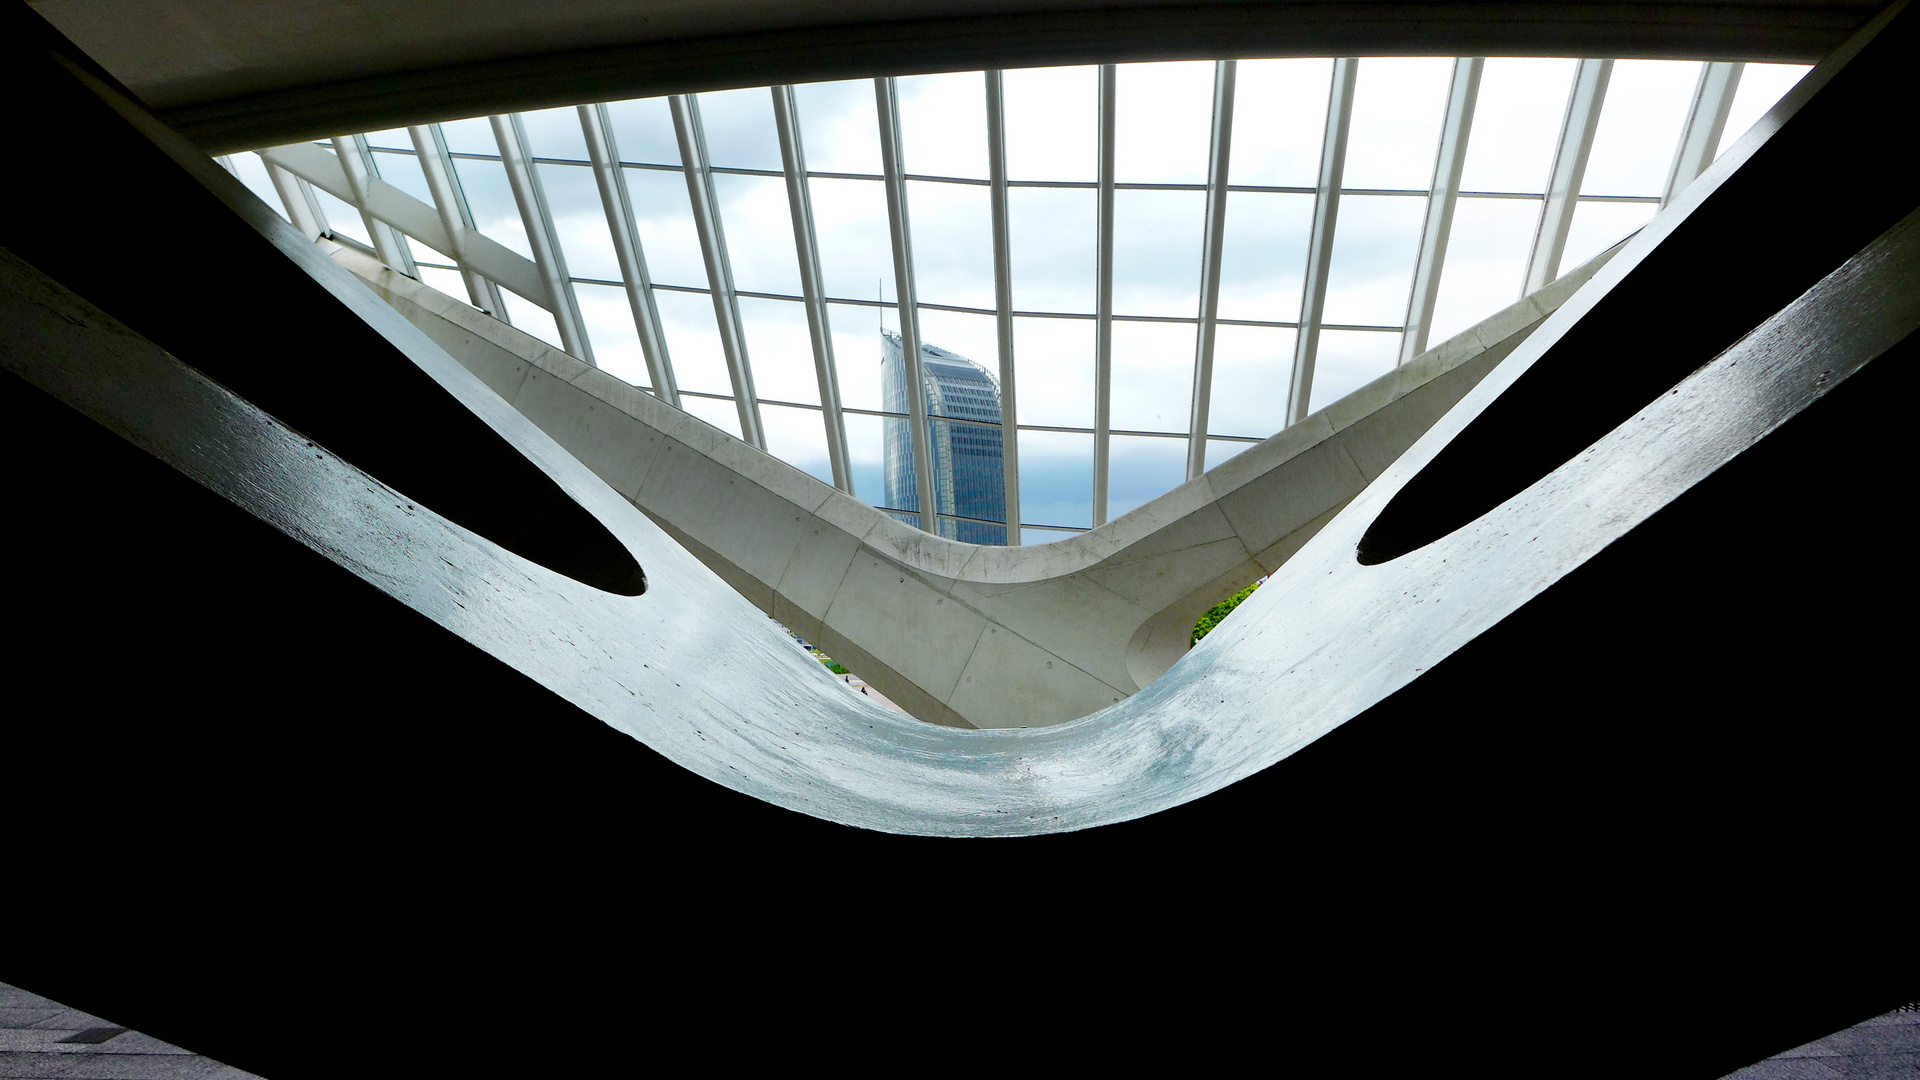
[(969, 459)]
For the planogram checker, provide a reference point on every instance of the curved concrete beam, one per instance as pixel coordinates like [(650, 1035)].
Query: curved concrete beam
[(234, 75), (960, 634)]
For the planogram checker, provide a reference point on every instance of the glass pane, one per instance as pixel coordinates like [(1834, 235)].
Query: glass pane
[(451, 283), (758, 223), (403, 172), (952, 243), (643, 131), (471, 136), (573, 198), (1152, 376), (1140, 469), (1279, 121), (1163, 123), (1375, 243), (693, 340), (342, 217), (421, 252), (1486, 262), (616, 344), (854, 237), (867, 454), (530, 318), (1640, 121), (1761, 88), (839, 129), (1052, 123), (739, 129), (664, 217), (1219, 450), (1516, 124), (1398, 106), (484, 183), (1348, 360), (253, 173), (856, 353), (1156, 252), (1030, 535), (1263, 263), (1053, 235), (1252, 366), (719, 412), (1056, 478), (390, 139), (799, 438), (1598, 226), (781, 350), (1053, 361), (943, 124), (555, 133), (973, 336)]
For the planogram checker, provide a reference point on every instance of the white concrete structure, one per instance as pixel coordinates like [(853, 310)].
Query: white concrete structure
[(962, 634)]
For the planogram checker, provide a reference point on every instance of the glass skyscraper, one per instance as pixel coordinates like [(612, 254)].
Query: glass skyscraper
[(969, 462)]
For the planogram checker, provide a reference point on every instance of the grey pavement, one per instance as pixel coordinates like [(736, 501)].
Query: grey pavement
[(45, 1039), (1886, 1047)]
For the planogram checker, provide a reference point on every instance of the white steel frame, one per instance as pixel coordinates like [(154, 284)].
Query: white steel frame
[(350, 172)]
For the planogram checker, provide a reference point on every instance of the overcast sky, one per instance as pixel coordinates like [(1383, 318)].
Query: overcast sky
[(1162, 126)]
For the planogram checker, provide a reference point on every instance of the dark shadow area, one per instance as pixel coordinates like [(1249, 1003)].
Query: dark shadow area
[(255, 322), (1762, 246)]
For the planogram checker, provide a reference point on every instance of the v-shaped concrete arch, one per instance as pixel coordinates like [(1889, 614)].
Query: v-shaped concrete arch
[(960, 634)]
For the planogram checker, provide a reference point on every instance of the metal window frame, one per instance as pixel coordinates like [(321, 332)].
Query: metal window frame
[(531, 198), (456, 217), (356, 160), (887, 107), (793, 159), (1706, 122), (303, 209), (1584, 105), (1218, 161), (604, 154), (692, 138), (1103, 295), (1462, 95), (1003, 299), (1326, 213)]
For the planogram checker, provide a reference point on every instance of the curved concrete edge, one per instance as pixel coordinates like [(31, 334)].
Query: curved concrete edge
[(958, 634)]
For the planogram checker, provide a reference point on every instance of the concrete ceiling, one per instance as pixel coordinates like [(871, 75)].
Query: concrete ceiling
[(240, 73)]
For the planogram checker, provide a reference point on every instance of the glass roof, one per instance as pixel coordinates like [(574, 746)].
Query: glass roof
[(1160, 264)]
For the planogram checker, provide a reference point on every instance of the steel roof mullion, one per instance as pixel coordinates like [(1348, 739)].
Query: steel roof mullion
[(1569, 169), (1454, 134), (1706, 122), (538, 219), (1103, 298), (793, 158), (1003, 300), (597, 126), (356, 160), (1215, 238), (893, 162), (713, 248), (302, 208), (431, 148), (1326, 213)]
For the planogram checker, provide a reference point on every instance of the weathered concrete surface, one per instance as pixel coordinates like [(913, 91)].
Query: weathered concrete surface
[(958, 634)]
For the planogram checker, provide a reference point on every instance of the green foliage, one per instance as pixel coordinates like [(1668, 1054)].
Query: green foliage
[(1219, 611)]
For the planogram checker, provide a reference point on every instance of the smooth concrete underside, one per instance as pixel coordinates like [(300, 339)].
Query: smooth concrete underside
[(234, 75), (960, 634)]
